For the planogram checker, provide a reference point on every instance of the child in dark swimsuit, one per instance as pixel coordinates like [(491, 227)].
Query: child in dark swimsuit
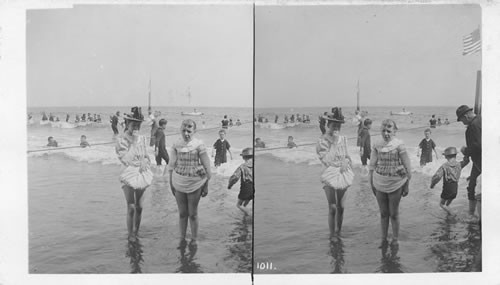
[(221, 147), (245, 173), (450, 173)]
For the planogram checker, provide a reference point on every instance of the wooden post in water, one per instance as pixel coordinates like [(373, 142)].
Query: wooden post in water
[(357, 98), (149, 97), (477, 103)]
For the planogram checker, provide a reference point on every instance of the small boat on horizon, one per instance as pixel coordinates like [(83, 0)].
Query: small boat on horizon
[(194, 113), (403, 113)]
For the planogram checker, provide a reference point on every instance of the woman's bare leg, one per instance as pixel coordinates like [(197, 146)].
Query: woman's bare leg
[(181, 199), (332, 209), (192, 200), (129, 197), (394, 199), (383, 204), (139, 199), (341, 194)]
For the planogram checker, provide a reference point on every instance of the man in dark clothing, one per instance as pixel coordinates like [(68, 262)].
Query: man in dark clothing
[(160, 143), (114, 122), (225, 122), (365, 148), (472, 150), (322, 123)]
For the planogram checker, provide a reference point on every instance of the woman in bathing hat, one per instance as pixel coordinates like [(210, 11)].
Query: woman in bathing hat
[(338, 175), (137, 176)]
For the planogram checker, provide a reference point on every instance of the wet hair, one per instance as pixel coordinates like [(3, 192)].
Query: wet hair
[(162, 122), (427, 130), (49, 138), (367, 122), (83, 137), (257, 139), (188, 123), (388, 123), (222, 131)]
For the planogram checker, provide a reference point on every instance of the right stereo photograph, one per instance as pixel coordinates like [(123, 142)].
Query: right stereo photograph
[(367, 139)]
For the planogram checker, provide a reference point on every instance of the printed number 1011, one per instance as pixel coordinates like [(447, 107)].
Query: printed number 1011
[(265, 266)]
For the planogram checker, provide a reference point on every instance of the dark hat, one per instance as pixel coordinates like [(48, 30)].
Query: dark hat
[(335, 115), (462, 110), (247, 152), (450, 151), (135, 116)]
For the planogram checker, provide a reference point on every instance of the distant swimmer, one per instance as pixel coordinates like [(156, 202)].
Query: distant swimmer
[(51, 117), (230, 122), (365, 146), (290, 143), (225, 122), (244, 173), (44, 117), (114, 122), (221, 148), (433, 121), (160, 143), (276, 119), (67, 118), (426, 146), (259, 143), (238, 122), (83, 141), (322, 123), (52, 142), (154, 117)]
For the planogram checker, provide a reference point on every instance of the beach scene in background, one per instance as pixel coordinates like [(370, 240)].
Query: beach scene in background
[(149, 57), (404, 63)]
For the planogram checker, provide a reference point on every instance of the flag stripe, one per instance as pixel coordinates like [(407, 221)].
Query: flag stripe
[(472, 42), (472, 45)]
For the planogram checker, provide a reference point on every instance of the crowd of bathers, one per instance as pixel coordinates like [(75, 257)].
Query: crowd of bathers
[(294, 118)]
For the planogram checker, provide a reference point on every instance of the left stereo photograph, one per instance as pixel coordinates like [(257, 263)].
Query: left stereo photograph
[(140, 139)]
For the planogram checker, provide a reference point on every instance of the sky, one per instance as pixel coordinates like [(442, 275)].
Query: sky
[(104, 55), (402, 55)]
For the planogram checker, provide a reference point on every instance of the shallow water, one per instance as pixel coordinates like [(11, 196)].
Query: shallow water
[(77, 224), (291, 226), (77, 210), (292, 229)]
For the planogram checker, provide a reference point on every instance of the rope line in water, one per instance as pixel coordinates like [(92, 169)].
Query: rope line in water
[(349, 138), (113, 142)]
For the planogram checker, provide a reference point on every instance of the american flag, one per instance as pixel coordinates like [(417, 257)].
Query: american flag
[(472, 42)]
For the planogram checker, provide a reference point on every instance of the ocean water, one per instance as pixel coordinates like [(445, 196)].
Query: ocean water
[(291, 227), (77, 211)]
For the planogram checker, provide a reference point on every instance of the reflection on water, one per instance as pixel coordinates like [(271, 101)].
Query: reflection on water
[(458, 246), (134, 251), (390, 261), (337, 253), (187, 260), (240, 244)]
